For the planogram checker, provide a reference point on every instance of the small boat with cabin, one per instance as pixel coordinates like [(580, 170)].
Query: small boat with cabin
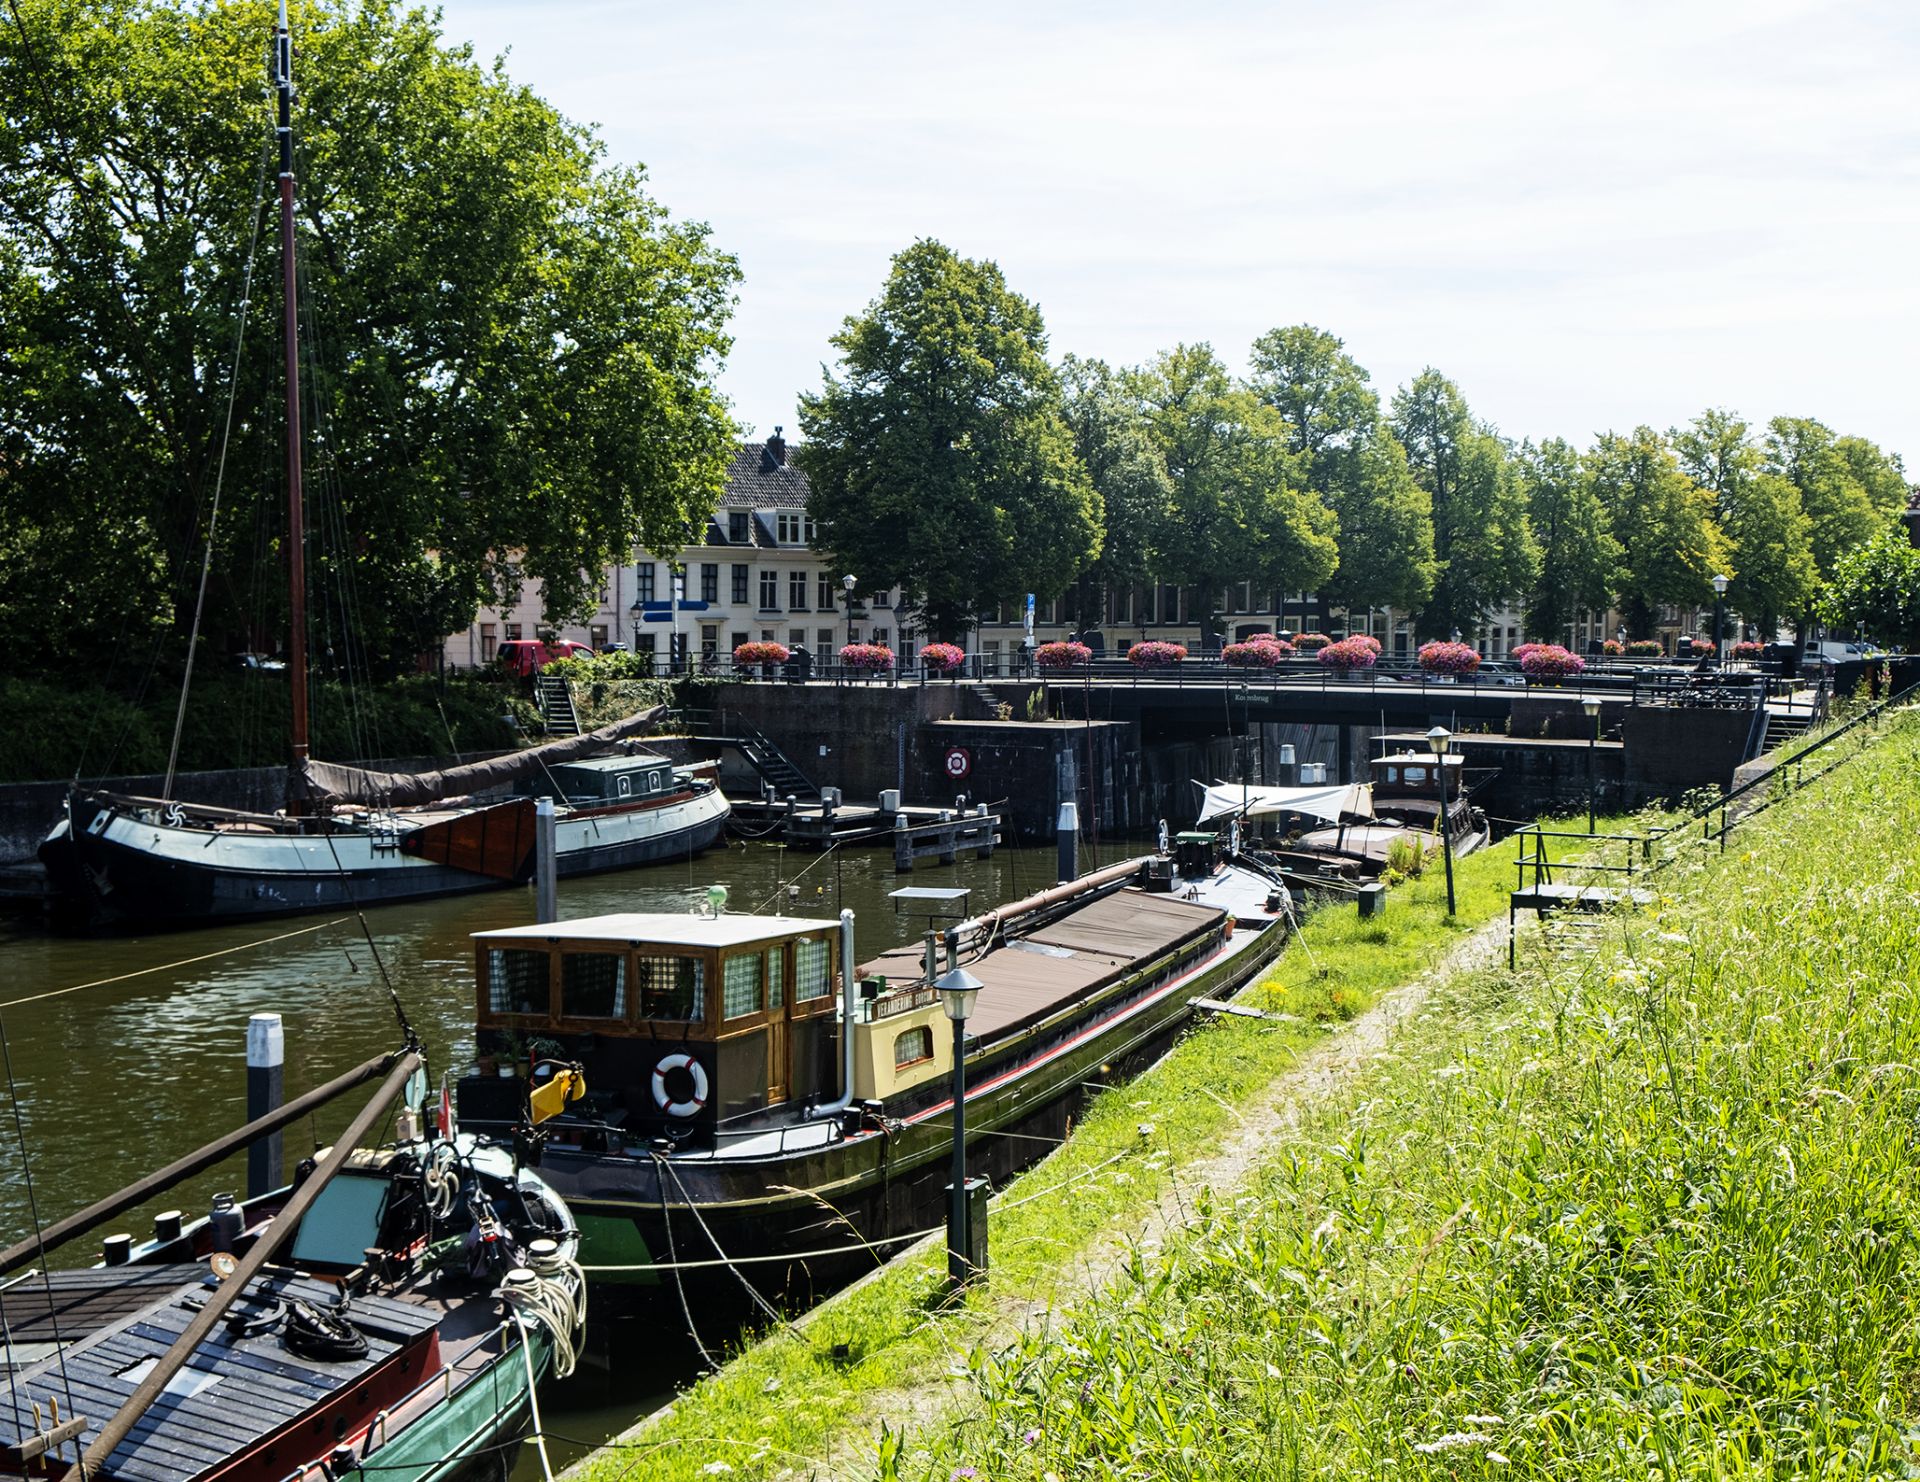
[(384, 1319), (766, 1100)]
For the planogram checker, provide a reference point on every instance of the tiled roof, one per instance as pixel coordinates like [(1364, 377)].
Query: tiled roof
[(757, 481)]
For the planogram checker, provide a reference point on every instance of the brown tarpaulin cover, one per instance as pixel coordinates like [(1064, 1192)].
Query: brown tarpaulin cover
[(328, 783)]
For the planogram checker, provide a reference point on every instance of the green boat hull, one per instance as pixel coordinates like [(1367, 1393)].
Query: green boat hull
[(479, 1425)]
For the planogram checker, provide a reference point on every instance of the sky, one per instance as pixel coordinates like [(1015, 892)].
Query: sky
[(1590, 216)]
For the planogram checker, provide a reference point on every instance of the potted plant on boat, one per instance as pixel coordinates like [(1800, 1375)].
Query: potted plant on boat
[(1448, 660)]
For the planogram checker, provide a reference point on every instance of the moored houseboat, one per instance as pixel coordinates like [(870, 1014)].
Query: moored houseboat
[(759, 1107)]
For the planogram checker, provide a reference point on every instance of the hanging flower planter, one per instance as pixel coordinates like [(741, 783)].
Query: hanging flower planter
[(942, 658), (1449, 660), (867, 658), (770, 656), (1063, 655), (1311, 642), (1550, 663), (1261, 651), (1351, 654), (1154, 654)]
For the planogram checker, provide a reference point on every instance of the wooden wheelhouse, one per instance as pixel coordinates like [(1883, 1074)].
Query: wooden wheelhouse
[(686, 1025)]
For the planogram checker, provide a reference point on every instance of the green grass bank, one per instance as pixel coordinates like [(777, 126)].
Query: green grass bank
[(784, 1404), (1645, 1213)]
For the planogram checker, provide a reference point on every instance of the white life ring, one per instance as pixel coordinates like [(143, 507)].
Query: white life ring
[(680, 1060)]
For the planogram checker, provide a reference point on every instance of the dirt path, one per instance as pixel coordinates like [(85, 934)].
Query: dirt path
[(1270, 1114)]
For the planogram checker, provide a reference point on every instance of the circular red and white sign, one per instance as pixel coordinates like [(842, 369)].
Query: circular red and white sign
[(958, 762)]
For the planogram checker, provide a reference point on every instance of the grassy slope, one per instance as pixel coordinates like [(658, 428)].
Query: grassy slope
[(1647, 1213), (783, 1403)]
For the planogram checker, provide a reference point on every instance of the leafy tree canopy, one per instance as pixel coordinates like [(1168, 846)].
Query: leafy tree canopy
[(1112, 440), (1577, 551), (1662, 522), (1350, 458), (940, 458), (1239, 512), (510, 347), (1876, 588), (1805, 453), (1481, 535)]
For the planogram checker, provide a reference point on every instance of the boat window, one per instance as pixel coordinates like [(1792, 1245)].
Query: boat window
[(672, 988), (343, 1224), (776, 978), (740, 990), (593, 985), (812, 970), (517, 980), (1415, 774), (653, 782), (912, 1047), (1393, 774)]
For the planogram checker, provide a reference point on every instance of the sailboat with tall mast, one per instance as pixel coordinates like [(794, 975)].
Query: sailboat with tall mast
[(352, 836)]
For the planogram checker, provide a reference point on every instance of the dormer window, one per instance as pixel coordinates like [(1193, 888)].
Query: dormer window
[(790, 529), (737, 529)]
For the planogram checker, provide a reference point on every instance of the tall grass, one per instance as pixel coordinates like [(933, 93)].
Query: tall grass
[(1649, 1214), (787, 1402)]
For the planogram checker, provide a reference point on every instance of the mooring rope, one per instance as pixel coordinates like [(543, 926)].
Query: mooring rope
[(168, 966)]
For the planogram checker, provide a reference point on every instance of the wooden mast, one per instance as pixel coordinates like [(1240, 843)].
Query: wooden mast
[(290, 334)]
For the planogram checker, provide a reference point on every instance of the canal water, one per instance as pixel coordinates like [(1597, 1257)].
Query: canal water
[(126, 1052)]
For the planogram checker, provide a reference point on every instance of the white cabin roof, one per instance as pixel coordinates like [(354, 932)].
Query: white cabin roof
[(638, 928)]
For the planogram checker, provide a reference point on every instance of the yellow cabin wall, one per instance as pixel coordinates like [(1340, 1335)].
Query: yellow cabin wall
[(874, 1076)]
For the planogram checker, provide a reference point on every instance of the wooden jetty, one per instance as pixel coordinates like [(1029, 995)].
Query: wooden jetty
[(914, 833)]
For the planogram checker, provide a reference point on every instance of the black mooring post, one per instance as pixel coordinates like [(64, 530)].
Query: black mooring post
[(1066, 833)]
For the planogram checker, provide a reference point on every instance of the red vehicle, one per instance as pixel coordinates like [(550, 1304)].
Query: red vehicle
[(525, 656)]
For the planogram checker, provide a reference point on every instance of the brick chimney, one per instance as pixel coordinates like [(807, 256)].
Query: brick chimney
[(775, 455)]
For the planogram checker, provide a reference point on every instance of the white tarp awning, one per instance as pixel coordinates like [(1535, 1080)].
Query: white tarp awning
[(1232, 799)]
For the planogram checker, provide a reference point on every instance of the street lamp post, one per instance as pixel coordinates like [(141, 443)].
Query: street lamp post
[(635, 613), (847, 584), (1720, 584), (1592, 706), (958, 989), (1439, 738)]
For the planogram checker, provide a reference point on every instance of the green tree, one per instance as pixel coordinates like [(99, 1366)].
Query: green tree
[(1769, 540), (1577, 551), (1876, 587), (1881, 474), (940, 459), (1238, 513), (1803, 452), (1352, 460), (510, 347), (1481, 538), (1114, 444), (1669, 546)]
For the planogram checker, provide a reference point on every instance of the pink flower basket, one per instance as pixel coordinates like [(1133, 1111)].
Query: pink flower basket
[(1550, 661), (1154, 654), (874, 657), (761, 653), (1443, 657), (1257, 652), (1311, 642), (942, 658), (1063, 655), (1358, 652)]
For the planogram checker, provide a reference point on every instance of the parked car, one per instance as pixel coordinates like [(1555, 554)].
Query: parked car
[(1835, 652), (526, 656)]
